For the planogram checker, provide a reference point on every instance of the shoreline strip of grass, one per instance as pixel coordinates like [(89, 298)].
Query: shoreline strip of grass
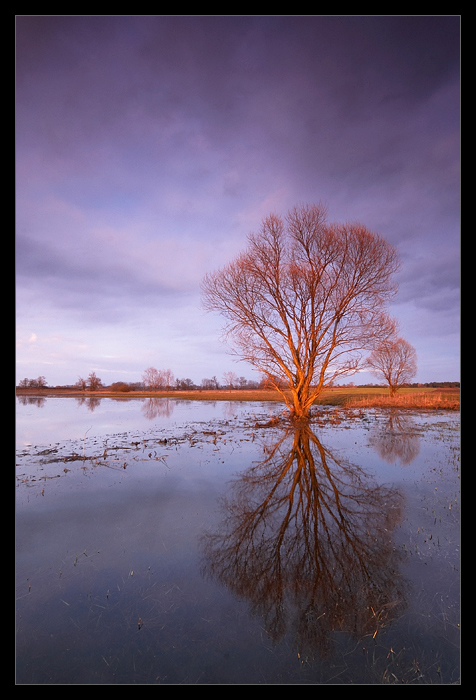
[(420, 401)]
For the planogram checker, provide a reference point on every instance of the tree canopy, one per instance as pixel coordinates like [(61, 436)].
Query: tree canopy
[(305, 301), (396, 361)]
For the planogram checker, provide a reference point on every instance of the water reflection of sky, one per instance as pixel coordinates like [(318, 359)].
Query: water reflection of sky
[(40, 421), (242, 550)]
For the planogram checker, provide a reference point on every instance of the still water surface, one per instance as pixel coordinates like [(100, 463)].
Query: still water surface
[(180, 542)]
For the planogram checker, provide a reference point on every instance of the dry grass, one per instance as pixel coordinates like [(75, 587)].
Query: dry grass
[(376, 397), (418, 400)]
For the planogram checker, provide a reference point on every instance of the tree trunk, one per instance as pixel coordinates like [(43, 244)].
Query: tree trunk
[(300, 404)]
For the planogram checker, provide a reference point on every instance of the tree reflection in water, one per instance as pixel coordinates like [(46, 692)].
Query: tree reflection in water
[(38, 401), (306, 539), (398, 439), (91, 402), (153, 408)]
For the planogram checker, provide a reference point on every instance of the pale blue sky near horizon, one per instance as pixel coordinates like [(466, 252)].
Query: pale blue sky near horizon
[(148, 147)]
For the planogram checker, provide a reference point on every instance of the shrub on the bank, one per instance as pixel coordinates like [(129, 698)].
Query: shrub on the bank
[(120, 386)]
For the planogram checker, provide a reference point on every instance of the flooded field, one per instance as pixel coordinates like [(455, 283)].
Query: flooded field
[(180, 542)]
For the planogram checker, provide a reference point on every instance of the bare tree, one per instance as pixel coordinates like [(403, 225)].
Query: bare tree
[(305, 301), (152, 379), (230, 379), (167, 378), (394, 360), (156, 379), (81, 384), (94, 383)]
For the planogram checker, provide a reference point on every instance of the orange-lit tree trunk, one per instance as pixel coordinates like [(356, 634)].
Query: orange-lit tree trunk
[(305, 301)]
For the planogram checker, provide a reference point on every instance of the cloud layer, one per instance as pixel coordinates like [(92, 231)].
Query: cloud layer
[(149, 147)]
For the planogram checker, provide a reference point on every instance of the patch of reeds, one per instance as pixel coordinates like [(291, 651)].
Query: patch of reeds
[(423, 400)]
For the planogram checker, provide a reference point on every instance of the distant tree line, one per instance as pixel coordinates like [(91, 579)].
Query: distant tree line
[(37, 383), (436, 385), (154, 380), (406, 385)]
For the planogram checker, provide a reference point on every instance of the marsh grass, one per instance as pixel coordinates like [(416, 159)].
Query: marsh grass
[(416, 400)]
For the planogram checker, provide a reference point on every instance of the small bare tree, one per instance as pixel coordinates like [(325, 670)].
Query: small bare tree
[(305, 301), (395, 361), (94, 383), (230, 379), (81, 384), (167, 378), (152, 379)]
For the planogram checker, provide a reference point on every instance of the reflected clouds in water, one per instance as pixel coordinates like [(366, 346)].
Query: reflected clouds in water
[(306, 538)]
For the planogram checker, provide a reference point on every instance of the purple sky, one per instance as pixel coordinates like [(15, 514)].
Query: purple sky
[(148, 147)]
